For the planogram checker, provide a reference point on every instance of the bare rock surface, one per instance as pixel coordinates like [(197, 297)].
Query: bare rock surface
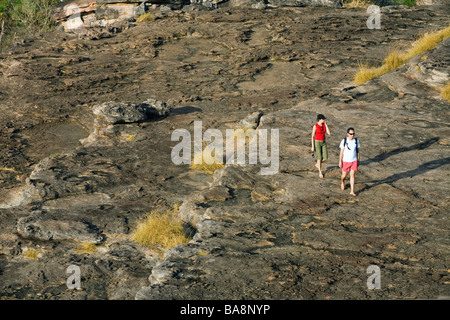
[(86, 138), (285, 242)]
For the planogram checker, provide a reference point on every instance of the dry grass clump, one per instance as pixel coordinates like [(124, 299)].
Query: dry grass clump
[(146, 17), (428, 42), (161, 230), (396, 58), (446, 92), (31, 254), (207, 161), (7, 169), (357, 3), (86, 248)]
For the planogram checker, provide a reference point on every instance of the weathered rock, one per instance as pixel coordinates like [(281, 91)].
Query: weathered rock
[(74, 15), (42, 226), (127, 112), (286, 236), (210, 4), (252, 121), (302, 3), (256, 4), (432, 67), (70, 8), (119, 10), (430, 2)]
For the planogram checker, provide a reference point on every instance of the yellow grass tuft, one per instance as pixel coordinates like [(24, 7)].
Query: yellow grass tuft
[(366, 73), (210, 162), (131, 137), (31, 254), (7, 169), (446, 92), (396, 58), (146, 17), (428, 42), (176, 207), (161, 230), (357, 4), (86, 248)]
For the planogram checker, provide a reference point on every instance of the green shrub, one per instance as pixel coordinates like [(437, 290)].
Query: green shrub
[(405, 2), (19, 18), (33, 15)]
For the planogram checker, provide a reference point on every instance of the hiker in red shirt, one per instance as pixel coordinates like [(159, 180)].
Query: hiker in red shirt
[(318, 143)]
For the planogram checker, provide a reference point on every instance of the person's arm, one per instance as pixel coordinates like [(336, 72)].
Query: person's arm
[(312, 137), (341, 155), (328, 130), (357, 151)]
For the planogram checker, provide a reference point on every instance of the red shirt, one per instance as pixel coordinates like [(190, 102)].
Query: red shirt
[(320, 132)]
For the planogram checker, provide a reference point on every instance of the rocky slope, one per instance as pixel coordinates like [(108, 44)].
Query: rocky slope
[(77, 169)]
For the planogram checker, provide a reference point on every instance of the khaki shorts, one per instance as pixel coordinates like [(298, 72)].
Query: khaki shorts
[(320, 147)]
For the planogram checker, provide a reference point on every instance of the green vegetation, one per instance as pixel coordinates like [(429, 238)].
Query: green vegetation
[(396, 58), (19, 18), (405, 2)]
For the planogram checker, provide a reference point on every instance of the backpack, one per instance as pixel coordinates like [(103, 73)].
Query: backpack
[(356, 141)]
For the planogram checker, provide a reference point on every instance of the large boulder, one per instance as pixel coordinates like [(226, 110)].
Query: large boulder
[(432, 67), (66, 9), (72, 15), (127, 112), (76, 14)]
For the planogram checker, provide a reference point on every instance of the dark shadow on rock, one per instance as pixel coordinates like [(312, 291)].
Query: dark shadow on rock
[(184, 110), (189, 230), (431, 165), (384, 156), (382, 3)]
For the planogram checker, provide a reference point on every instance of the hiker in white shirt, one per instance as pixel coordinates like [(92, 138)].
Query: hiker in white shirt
[(349, 158)]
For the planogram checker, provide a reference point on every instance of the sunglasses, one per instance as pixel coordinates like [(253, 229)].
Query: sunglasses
[(351, 133)]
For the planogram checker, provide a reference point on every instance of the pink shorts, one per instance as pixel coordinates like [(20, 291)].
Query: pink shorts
[(346, 166)]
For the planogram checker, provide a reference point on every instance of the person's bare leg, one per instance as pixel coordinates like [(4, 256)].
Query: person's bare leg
[(343, 176), (319, 166), (352, 182)]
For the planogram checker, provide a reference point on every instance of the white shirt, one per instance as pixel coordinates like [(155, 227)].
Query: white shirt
[(350, 154)]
